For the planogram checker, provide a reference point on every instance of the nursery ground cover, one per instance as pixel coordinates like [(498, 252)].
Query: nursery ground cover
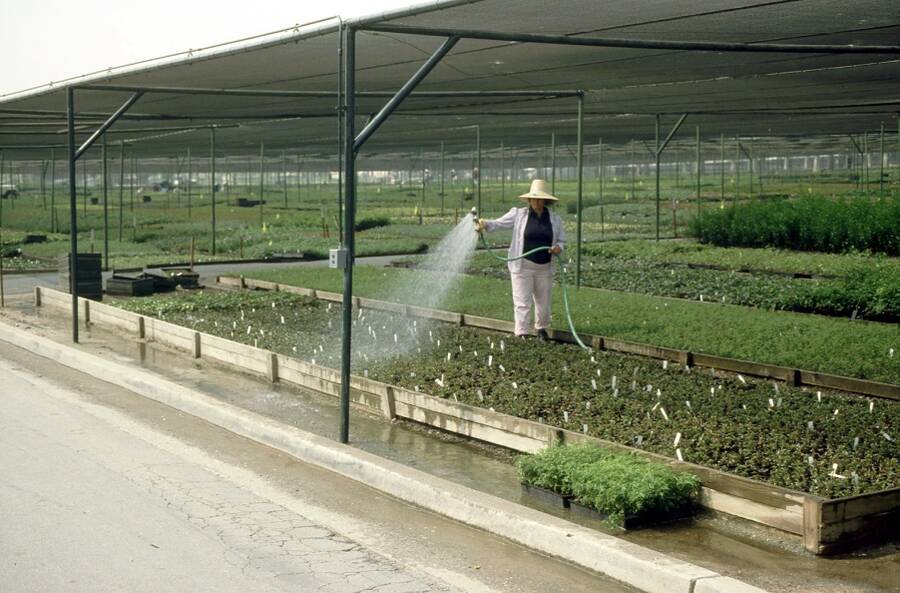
[(830, 345), (786, 436), (869, 291)]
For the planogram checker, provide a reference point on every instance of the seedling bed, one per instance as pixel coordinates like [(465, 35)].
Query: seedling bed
[(754, 428), (827, 526)]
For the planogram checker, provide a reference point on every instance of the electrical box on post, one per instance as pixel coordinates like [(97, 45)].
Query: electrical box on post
[(337, 258)]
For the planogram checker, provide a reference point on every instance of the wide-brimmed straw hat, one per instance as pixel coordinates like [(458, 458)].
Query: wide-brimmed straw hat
[(539, 191)]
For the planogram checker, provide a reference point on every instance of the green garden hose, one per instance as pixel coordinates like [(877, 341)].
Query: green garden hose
[(562, 275)]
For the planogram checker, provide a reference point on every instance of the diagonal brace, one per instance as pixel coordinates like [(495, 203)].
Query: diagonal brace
[(672, 133), (404, 92), (855, 144), (106, 125)]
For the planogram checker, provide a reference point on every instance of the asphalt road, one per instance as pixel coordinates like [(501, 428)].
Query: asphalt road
[(102, 490)]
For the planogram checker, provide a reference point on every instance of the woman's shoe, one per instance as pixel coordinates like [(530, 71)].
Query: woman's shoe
[(542, 335)]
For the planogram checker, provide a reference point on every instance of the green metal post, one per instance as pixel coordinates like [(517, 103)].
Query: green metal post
[(502, 175), (699, 170), (865, 160), (190, 183), (84, 187), (657, 155), (121, 187), (633, 169), (579, 155), (73, 211), (600, 150), (722, 164), (105, 208), (881, 165), (737, 168), (284, 178), (262, 172), (422, 200), (212, 183), (53, 224), (349, 239), (478, 165), (553, 163), (442, 179), (133, 181)]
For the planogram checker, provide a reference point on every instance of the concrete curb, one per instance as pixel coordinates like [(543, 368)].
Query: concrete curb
[(632, 564)]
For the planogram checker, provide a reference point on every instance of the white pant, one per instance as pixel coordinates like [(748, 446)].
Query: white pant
[(532, 283)]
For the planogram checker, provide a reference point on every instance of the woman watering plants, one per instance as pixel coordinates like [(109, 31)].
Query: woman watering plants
[(534, 226)]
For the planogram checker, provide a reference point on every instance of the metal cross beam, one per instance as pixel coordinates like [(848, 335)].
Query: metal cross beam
[(635, 43), (403, 93), (106, 125)]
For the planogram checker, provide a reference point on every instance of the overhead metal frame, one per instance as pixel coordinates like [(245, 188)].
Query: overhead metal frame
[(354, 143), (348, 107)]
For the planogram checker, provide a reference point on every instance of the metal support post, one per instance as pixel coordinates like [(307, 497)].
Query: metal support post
[(699, 170), (579, 155), (352, 144), (660, 147), (553, 163), (190, 182), (73, 211), (442, 179), (722, 164), (105, 207), (865, 161), (737, 168), (502, 174), (212, 183), (422, 200), (84, 187), (121, 186), (881, 165), (633, 169), (284, 184), (53, 224), (132, 182), (600, 150), (349, 238), (657, 154), (262, 174), (478, 166)]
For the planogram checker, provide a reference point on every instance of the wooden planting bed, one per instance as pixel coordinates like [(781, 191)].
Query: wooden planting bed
[(825, 526)]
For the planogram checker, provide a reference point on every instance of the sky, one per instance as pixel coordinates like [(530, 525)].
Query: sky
[(50, 40)]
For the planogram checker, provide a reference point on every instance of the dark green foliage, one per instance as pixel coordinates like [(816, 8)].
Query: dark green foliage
[(627, 485), (615, 484), (749, 427), (553, 467), (806, 224), (872, 291), (828, 345), (371, 223)]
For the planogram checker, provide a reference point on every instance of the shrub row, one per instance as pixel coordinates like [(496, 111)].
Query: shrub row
[(807, 224)]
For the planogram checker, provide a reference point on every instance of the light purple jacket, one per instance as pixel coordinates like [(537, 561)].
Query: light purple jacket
[(516, 219)]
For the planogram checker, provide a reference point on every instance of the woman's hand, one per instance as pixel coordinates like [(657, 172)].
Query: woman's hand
[(479, 225), (556, 250)]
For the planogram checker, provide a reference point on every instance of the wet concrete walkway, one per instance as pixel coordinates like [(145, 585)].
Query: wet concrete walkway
[(728, 546)]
